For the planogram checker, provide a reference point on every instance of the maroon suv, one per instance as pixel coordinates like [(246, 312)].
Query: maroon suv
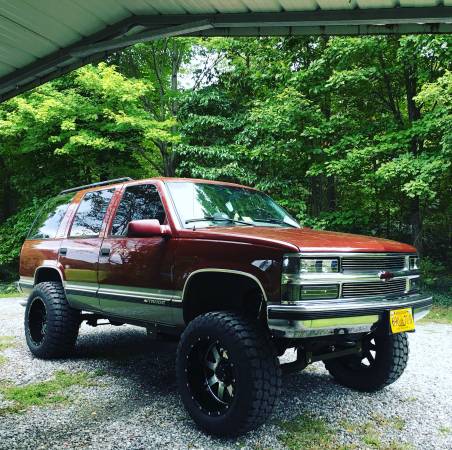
[(230, 272)]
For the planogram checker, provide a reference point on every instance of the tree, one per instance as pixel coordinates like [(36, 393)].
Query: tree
[(85, 127), (158, 63), (332, 127)]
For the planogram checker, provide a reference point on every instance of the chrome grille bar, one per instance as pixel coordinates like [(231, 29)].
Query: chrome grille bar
[(372, 263), (372, 288)]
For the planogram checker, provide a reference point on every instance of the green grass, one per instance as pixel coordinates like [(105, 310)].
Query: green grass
[(371, 433), (42, 393), (439, 314), (5, 342), (307, 432), (10, 294), (380, 421), (442, 306), (397, 446), (9, 290)]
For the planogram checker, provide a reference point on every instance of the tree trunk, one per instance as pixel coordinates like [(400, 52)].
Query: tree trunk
[(416, 224), (416, 145), (7, 204), (168, 159), (331, 194)]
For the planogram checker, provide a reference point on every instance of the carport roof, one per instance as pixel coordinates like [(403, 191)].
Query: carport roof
[(40, 40)]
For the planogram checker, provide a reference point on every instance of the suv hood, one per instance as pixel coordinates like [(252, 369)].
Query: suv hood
[(306, 239)]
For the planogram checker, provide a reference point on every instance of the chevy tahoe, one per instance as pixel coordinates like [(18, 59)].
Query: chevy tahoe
[(234, 276)]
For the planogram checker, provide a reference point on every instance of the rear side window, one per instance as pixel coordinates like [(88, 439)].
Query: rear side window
[(90, 213), (137, 203), (49, 217)]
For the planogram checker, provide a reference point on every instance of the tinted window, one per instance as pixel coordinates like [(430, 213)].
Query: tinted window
[(90, 213), (137, 203), (49, 218)]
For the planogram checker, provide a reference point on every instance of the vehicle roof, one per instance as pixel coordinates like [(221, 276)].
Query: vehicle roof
[(199, 180), (163, 180)]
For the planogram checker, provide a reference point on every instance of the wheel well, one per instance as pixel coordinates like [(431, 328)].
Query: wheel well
[(215, 291), (47, 274)]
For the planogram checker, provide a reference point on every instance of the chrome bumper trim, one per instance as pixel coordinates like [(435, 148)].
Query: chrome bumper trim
[(339, 317)]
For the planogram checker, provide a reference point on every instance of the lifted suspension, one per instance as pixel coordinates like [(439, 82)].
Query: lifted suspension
[(305, 357)]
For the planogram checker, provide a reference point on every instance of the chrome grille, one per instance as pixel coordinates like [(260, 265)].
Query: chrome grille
[(371, 288), (352, 264)]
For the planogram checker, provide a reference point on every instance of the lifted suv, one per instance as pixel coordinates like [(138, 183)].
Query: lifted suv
[(230, 272)]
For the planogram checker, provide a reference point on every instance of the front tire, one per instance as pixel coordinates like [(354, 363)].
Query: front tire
[(382, 362), (228, 373), (51, 325)]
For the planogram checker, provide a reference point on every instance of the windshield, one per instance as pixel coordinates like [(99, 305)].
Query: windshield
[(205, 205)]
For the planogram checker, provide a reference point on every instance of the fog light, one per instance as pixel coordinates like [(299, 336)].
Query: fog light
[(319, 292)]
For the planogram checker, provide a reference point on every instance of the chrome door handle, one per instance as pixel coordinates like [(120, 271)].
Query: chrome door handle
[(62, 251)]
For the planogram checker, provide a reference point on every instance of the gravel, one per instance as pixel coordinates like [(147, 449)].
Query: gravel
[(134, 402)]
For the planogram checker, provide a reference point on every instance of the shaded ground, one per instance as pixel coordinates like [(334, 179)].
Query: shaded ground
[(120, 392)]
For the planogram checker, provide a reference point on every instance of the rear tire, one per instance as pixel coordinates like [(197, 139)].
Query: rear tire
[(228, 373), (51, 325), (382, 362)]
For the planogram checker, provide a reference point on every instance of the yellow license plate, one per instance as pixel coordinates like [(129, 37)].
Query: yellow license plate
[(401, 320)]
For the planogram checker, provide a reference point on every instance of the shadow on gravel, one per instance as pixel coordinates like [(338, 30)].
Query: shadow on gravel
[(130, 354), (148, 362)]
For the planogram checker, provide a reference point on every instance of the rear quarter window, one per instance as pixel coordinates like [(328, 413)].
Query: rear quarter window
[(49, 218)]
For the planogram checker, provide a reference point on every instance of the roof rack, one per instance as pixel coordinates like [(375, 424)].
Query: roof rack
[(100, 183)]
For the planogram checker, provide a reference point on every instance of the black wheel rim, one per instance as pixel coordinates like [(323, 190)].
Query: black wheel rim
[(37, 321), (367, 359), (211, 376)]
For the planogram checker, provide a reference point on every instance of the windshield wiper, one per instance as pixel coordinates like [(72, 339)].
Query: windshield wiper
[(217, 219), (270, 220)]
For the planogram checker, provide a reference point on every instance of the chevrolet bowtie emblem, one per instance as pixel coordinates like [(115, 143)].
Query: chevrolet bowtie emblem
[(384, 275)]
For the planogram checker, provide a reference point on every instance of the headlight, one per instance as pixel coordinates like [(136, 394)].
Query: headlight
[(294, 265), (319, 265), (414, 262)]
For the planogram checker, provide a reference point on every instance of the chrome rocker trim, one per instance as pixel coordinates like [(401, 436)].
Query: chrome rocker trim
[(339, 317)]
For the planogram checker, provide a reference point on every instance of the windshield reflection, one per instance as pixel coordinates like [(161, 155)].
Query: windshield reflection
[(205, 205)]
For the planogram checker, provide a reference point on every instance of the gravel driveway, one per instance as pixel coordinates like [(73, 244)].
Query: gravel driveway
[(133, 402)]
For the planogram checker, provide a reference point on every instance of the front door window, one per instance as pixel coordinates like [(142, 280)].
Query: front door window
[(138, 203)]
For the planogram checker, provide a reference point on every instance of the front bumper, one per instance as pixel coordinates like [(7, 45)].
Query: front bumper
[(339, 317)]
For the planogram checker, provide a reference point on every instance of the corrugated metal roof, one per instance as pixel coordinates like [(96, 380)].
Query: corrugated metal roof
[(39, 40)]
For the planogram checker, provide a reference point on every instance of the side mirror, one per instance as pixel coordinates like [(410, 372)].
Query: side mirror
[(147, 228)]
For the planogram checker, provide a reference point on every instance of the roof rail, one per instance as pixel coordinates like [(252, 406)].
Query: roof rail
[(100, 183)]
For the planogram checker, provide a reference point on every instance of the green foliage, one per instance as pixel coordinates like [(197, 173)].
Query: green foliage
[(8, 290), (88, 126), (440, 314), (432, 272), (13, 232), (350, 134)]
